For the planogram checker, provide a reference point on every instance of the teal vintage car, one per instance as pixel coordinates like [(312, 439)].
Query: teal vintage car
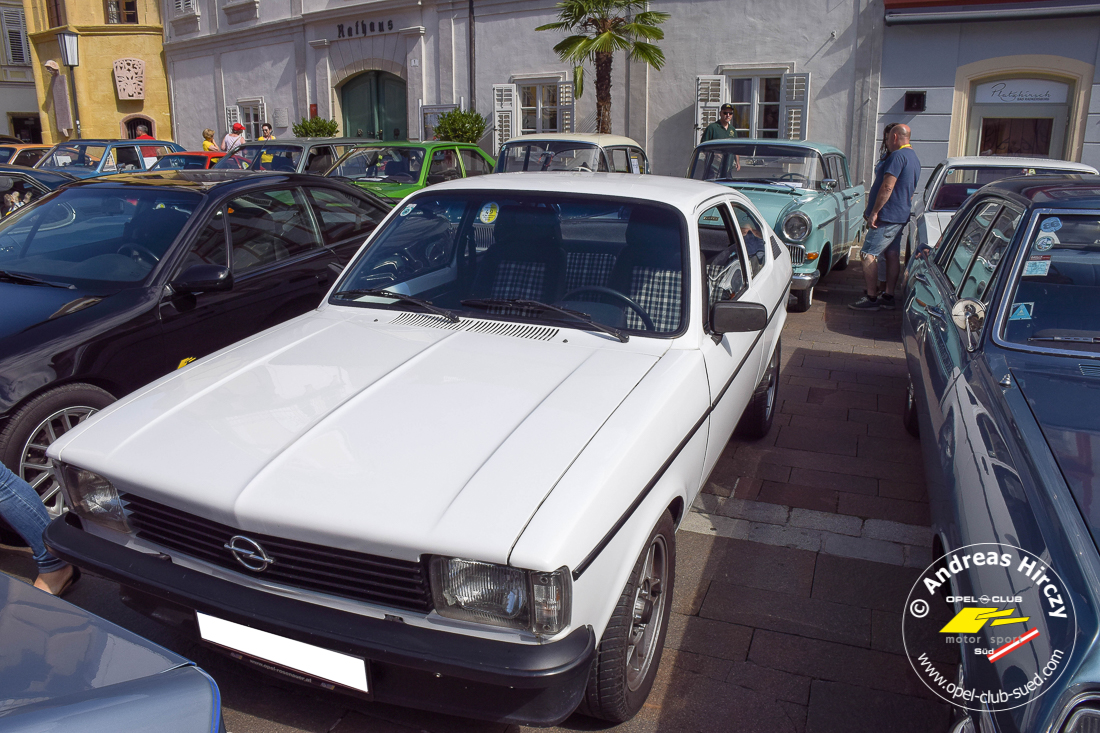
[(804, 189)]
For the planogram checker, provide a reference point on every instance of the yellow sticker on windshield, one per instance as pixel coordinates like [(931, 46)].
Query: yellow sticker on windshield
[(488, 213)]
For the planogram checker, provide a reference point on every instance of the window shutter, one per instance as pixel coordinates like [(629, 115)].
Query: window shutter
[(504, 112), (262, 111), (232, 117), (184, 6), (710, 93), (794, 106), (15, 36), (566, 110)]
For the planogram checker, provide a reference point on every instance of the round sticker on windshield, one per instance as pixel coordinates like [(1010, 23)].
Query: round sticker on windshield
[(1052, 224), (1042, 244), (407, 210), (488, 213)]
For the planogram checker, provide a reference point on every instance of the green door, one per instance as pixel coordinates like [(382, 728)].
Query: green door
[(374, 106)]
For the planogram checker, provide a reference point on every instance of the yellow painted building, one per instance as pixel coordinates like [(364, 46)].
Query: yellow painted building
[(121, 80)]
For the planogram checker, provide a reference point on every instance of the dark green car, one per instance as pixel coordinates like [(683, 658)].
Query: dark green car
[(394, 170)]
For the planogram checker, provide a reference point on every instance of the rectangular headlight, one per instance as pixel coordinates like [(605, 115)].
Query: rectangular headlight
[(93, 497), (499, 595)]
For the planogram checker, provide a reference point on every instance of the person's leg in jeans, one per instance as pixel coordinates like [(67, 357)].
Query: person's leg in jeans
[(875, 244), (21, 508), (891, 257)]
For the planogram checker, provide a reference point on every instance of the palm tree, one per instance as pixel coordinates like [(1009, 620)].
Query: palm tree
[(599, 28)]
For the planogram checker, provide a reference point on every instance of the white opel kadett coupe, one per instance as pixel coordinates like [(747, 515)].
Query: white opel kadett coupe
[(456, 484)]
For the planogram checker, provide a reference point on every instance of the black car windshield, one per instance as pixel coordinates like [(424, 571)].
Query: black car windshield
[(391, 164), (621, 263), (1056, 301), (958, 183), (180, 162), (263, 158), (74, 155), (109, 235), (753, 163), (552, 155)]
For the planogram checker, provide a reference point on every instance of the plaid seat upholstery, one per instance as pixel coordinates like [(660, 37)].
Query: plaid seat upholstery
[(519, 280), (587, 268), (650, 268), (525, 259), (658, 292)]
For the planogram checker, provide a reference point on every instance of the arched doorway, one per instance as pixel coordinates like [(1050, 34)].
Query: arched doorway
[(374, 106)]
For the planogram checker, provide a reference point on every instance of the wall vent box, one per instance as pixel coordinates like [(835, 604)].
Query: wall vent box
[(915, 101)]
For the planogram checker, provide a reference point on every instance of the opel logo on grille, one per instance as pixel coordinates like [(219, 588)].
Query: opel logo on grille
[(249, 553)]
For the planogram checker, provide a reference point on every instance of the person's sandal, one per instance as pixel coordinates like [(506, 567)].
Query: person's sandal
[(70, 582)]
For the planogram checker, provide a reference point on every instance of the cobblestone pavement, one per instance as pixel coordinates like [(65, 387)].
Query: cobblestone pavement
[(792, 569)]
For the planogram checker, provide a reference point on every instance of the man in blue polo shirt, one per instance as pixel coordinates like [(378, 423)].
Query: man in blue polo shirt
[(888, 206)]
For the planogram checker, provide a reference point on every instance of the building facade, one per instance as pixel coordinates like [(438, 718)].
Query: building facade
[(120, 81), (18, 102)]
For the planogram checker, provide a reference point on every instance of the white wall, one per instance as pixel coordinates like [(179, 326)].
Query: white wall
[(194, 108)]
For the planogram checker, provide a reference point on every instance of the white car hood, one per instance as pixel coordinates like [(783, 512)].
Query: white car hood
[(344, 431)]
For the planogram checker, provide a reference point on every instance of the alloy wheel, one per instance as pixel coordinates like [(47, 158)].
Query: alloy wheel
[(648, 613), (35, 467)]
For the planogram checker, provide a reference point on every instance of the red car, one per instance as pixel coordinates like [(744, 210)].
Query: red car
[(190, 160)]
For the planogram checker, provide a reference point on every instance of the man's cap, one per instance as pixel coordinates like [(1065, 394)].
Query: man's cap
[(727, 107), (237, 127)]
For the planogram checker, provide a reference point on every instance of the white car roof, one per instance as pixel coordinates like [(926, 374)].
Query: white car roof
[(683, 193), (578, 137), (1001, 161)]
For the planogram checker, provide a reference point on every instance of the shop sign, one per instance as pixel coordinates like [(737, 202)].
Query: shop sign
[(1022, 91), (362, 28)]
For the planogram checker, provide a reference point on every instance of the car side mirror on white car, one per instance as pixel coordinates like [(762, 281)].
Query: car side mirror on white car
[(731, 316)]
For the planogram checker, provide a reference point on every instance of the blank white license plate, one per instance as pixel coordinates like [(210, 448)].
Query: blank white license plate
[(313, 661)]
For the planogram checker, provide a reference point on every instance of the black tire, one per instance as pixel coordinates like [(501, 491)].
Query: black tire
[(803, 299), (619, 681), (909, 412), (50, 414), (757, 419)]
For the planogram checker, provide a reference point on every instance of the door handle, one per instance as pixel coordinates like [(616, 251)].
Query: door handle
[(921, 278), (936, 313)]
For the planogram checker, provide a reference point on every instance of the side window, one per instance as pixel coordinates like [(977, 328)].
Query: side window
[(108, 162), (603, 164), (721, 254), (28, 157), (967, 240), (266, 227), (474, 164), (320, 160), (129, 159), (989, 257), (845, 179), (619, 161), (16, 193), (753, 234), (343, 216), (638, 163), (931, 180), (211, 246), (444, 167)]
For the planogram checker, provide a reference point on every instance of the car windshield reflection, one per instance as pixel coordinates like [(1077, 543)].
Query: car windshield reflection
[(107, 236), (554, 155), (75, 156), (619, 263), (263, 158), (755, 163), (389, 164), (958, 183)]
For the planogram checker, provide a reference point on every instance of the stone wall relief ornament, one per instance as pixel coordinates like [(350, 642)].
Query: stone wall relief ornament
[(130, 78)]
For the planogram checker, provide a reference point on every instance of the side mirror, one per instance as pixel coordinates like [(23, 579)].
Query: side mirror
[(969, 315), (731, 316), (203, 278), (828, 184)]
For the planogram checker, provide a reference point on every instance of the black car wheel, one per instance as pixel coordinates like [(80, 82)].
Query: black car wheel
[(628, 655), (909, 413), (757, 419), (40, 422)]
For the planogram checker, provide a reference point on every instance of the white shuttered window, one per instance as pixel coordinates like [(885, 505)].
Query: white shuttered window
[(16, 49), (505, 113), (710, 94), (765, 105)]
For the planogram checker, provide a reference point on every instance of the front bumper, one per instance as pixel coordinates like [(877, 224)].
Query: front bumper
[(534, 684), (804, 280)]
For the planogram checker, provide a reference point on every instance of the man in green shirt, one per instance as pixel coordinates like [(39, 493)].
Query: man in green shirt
[(723, 128)]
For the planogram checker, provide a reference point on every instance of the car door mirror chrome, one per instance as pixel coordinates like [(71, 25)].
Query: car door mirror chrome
[(729, 316), (829, 184), (969, 315), (203, 278)]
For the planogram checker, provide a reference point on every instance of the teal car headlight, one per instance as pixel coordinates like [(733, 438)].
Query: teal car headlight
[(499, 595), (93, 497), (796, 226)]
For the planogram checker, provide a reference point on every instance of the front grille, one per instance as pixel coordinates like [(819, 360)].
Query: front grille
[(798, 254), (355, 575)]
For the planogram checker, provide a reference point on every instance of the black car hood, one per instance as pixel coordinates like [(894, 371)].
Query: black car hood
[(25, 306), (1065, 406)]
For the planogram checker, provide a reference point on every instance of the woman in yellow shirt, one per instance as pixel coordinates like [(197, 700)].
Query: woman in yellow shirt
[(208, 143)]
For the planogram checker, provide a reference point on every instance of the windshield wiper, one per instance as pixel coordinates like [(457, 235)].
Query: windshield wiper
[(22, 279), (425, 304), (534, 305), (1072, 339)]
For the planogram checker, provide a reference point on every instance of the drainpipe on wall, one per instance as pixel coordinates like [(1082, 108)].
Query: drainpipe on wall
[(473, 67)]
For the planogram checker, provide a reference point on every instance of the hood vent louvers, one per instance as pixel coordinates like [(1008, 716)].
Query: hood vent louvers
[(1089, 370), (426, 321), (515, 330)]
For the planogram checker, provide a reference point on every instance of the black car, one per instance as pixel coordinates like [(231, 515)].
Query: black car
[(108, 284), (20, 186)]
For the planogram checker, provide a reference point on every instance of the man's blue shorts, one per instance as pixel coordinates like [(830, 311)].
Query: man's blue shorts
[(885, 237)]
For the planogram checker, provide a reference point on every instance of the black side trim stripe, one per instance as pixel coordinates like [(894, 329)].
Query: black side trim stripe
[(591, 557)]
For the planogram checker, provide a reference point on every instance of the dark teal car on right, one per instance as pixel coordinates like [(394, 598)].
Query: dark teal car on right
[(1001, 329)]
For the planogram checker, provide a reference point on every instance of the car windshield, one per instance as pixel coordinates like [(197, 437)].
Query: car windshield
[(6, 153), (553, 155), (388, 164), (619, 262), (75, 156), (180, 162), (263, 158), (1056, 300), (94, 234), (958, 183), (752, 163)]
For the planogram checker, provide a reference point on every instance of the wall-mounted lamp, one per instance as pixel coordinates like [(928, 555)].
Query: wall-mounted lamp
[(70, 56)]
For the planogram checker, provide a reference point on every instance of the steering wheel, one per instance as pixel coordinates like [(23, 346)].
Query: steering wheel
[(638, 310), (582, 167), (137, 252), (792, 177)]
